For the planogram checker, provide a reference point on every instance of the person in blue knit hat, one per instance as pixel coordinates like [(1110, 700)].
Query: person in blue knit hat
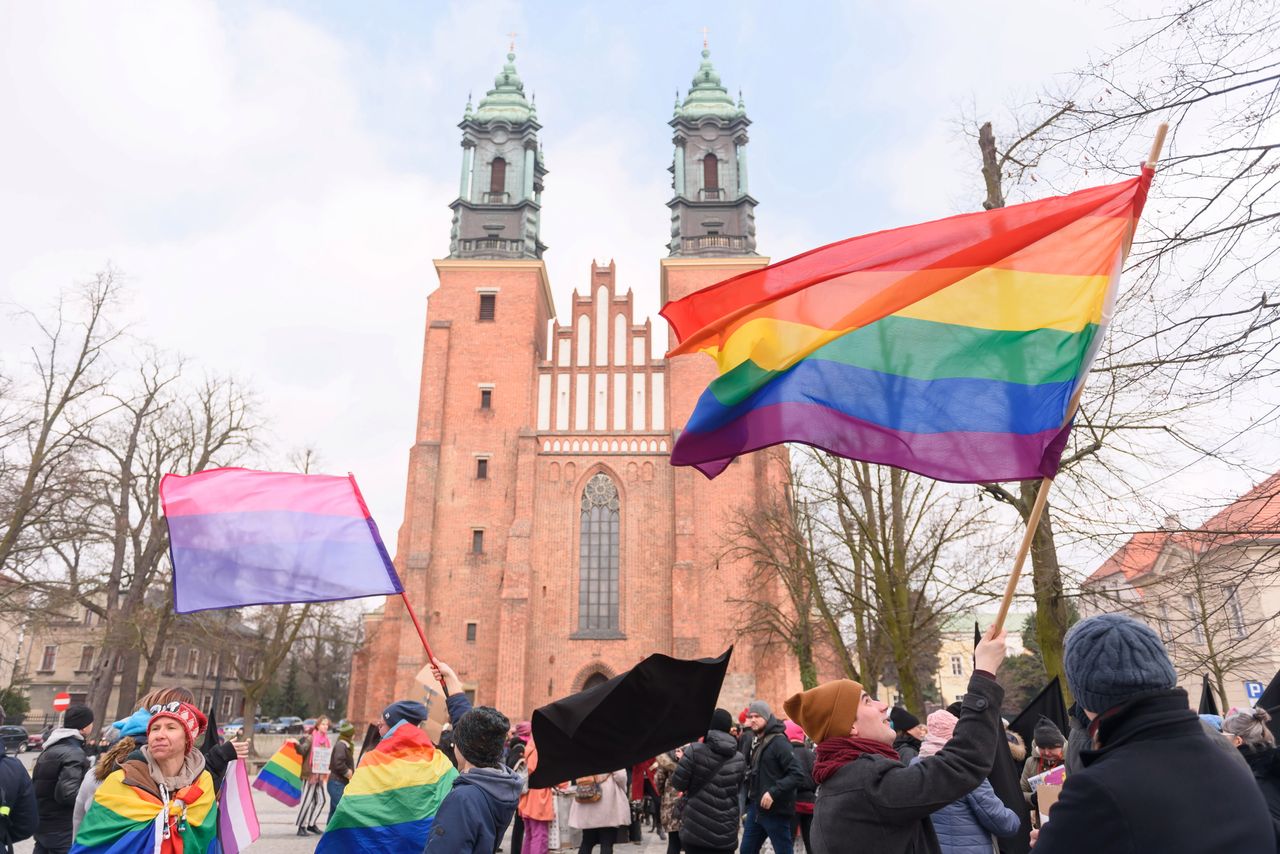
[(1151, 780)]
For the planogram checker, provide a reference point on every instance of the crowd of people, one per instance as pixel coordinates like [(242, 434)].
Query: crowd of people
[(842, 772)]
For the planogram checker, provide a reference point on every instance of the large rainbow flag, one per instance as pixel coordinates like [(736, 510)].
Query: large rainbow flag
[(281, 777), (393, 796), (125, 819), (950, 348)]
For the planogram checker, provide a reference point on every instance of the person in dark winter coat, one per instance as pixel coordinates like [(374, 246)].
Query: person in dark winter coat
[(1152, 781), (56, 778), (772, 780), (867, 799), (1248, 731), (476, 812), (910, 733), (808, 790), (19, 797), (709, 774), (967, 825)]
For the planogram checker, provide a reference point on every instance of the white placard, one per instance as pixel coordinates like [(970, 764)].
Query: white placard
[(320, 757)]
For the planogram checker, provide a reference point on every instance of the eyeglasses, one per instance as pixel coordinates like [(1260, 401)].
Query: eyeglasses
[(165, 707)]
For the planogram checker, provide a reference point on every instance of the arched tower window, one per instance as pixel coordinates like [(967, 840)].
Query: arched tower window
[(595, 679), (598, 556), (710, 172), (498, 178)]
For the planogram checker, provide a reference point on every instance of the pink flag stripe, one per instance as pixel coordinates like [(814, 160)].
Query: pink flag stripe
[(238, 819), (237, 490)]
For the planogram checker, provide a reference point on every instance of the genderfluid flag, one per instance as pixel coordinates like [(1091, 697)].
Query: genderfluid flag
[(240, 537), (951, 348)]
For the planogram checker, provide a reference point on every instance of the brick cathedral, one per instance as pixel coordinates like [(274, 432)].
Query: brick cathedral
[(547, 542)]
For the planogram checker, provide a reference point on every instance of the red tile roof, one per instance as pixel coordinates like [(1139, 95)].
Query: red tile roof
[(1254, 514)]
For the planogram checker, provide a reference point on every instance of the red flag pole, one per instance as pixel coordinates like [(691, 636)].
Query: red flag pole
[(422, 636), (1042, 494)]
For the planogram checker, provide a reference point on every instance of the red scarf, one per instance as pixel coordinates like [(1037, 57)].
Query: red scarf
[(835, 753)]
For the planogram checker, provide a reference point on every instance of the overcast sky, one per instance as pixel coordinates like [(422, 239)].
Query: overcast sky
[(273, 178)]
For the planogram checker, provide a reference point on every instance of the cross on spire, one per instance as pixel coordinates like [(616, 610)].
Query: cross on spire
[(704, 37), (512, 36)]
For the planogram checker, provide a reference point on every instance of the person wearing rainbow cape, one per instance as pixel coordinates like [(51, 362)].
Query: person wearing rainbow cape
[(162, 798)]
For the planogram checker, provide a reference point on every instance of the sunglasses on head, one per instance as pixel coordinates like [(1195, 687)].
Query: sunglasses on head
[(165, 707)]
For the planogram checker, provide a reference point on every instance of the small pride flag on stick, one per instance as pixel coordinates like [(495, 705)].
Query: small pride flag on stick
[(281, 777)]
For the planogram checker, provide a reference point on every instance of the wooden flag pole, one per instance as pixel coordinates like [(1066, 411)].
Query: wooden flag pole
[(1042, 494)]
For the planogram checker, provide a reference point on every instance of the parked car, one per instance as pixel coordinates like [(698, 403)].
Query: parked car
[(286, 725), (35, 741), (14, 738), (262, 725), (233, 729), (308, 725)]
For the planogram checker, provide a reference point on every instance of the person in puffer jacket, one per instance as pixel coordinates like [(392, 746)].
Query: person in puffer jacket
[(709, 774), (965, 826)]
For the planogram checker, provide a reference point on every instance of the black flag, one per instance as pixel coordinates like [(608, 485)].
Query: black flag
[(1270, 700), (1049, 703), (656, 706), (211, 739), (371, 739), (1208, 702)]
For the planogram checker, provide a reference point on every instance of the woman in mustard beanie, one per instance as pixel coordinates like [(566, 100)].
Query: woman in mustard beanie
[(865, 792)]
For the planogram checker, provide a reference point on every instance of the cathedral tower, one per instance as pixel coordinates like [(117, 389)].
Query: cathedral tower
[(712, 214), (497, 212)]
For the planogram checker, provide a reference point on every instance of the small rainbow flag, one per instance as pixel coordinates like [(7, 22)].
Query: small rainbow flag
[(281, 777), (393, 796), (950, 348), (125, 819), (237, 818)]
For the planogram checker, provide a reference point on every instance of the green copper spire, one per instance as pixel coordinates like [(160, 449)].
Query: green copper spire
[(707, 96), (505, 101)]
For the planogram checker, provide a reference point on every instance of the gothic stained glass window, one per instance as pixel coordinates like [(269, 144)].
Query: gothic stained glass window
[(598, 556)]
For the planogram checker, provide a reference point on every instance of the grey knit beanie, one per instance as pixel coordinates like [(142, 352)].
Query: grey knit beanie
[(1112, 658), (759, 707)]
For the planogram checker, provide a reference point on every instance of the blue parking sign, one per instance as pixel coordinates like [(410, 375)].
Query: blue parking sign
[(1253, 690)]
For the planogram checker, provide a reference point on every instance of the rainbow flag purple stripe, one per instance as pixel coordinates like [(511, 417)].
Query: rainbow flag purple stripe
[(240, 537), (281, 777)]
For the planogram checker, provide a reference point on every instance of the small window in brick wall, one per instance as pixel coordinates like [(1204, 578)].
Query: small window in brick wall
[(488, 306), (486, 398), (471, 632), (482, 468), (477, 542)]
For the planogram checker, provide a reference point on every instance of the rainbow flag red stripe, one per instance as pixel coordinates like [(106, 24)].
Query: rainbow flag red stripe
[(950, 348)]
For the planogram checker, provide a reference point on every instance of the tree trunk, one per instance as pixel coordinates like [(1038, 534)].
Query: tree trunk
[(127, 702), (1046, 573), (1051, 604)]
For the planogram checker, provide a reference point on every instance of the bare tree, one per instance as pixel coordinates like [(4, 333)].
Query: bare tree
[(1196, 316), (776, 537), (43, 421)]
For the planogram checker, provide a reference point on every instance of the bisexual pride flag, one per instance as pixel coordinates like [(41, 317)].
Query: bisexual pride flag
[(239, 537), (391, 801), (951, 349), (281, 777)]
